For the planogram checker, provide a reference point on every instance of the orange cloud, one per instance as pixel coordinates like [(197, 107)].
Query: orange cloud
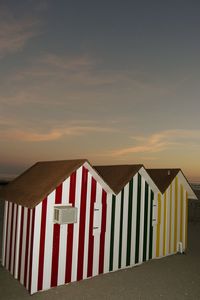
[(55, 134), (159, 142)]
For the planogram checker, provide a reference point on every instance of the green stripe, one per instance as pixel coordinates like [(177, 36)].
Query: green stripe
[(137, 242), (112, 232), (145, 221), (129, 226), (151, 226), (121, 229)]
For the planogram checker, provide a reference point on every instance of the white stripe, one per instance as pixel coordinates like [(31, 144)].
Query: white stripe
[(116, 231), (184, 217), (29, 248), (154, 227), (107, 234), (48, 241), (85, 259), (17, 242), (13, 238), (167, 220), (134, 216), (148, 222), (124, 231), (142, 220), (23, 254), (172, 221), (96, 232), (63, 236), (4, 231), (161, 226), (8, 235), (76, 225), (178, 211), (36, 248)]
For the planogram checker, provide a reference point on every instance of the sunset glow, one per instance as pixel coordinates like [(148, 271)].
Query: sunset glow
[(116, 83)]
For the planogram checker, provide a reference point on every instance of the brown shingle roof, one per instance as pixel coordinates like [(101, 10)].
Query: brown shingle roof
[(117, 176), (31, 187), (162, 177)]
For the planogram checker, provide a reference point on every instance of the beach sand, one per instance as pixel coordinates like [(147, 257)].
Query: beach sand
[(174, 277)]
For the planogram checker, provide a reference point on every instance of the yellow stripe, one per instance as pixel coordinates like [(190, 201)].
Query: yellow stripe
[(164, 227), (170, 219), (181, 215), (186, 220), (175, 214), (158, 226)]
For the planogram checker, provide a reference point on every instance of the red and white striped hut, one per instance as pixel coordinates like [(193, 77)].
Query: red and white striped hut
[(171, 203), (54, 224), (130, 216)]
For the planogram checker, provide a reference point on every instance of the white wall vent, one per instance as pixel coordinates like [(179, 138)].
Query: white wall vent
[(65, 214)]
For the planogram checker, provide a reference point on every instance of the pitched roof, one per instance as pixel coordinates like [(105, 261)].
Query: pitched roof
[(117, 176), (36, 183), (163, 177)]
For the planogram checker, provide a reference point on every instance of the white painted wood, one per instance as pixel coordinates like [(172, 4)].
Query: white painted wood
[(96, 232), (17, 242), (116, 231), (142, 220), (107, 234), (87, 223), (48, 241), (13, 237), (125, 225), (23, 245), (4, 232), (76, 225), (63, 236), (134, 216), (36, 248)]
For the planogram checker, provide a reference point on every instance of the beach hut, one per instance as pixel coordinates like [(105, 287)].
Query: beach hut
[(130, 216), (171, 204), (54, 224)]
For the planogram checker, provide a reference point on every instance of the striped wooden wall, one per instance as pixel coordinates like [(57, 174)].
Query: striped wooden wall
[(129, 230), (112, 232), (18, 241), (67, 253), (172, 220), (42, 254)]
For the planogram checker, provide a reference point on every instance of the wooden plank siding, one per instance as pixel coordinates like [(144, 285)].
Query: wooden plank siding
[(171, 227)]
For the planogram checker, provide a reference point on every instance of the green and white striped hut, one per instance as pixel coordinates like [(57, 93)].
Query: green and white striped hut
[(129, 223)]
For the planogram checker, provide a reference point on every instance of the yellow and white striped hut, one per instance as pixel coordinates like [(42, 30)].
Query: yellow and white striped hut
[(170, 211)]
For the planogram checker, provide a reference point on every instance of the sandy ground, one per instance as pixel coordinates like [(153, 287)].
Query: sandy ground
[(174, 277)]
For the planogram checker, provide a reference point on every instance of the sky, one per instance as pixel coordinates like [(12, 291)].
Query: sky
[(116, 82)]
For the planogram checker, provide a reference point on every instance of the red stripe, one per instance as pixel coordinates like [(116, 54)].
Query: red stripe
[(91, 237), (82, 224), (20, 242), (27, 247), (6, 244), (31, 253), (16, 222), (103, 231), (42, 244), (11, 236), (70, 231), (56, 241)]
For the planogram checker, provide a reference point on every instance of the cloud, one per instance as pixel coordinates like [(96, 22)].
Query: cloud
[(54, 134), (76, 70), (159, 142), (73, 63), (15, 32)]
